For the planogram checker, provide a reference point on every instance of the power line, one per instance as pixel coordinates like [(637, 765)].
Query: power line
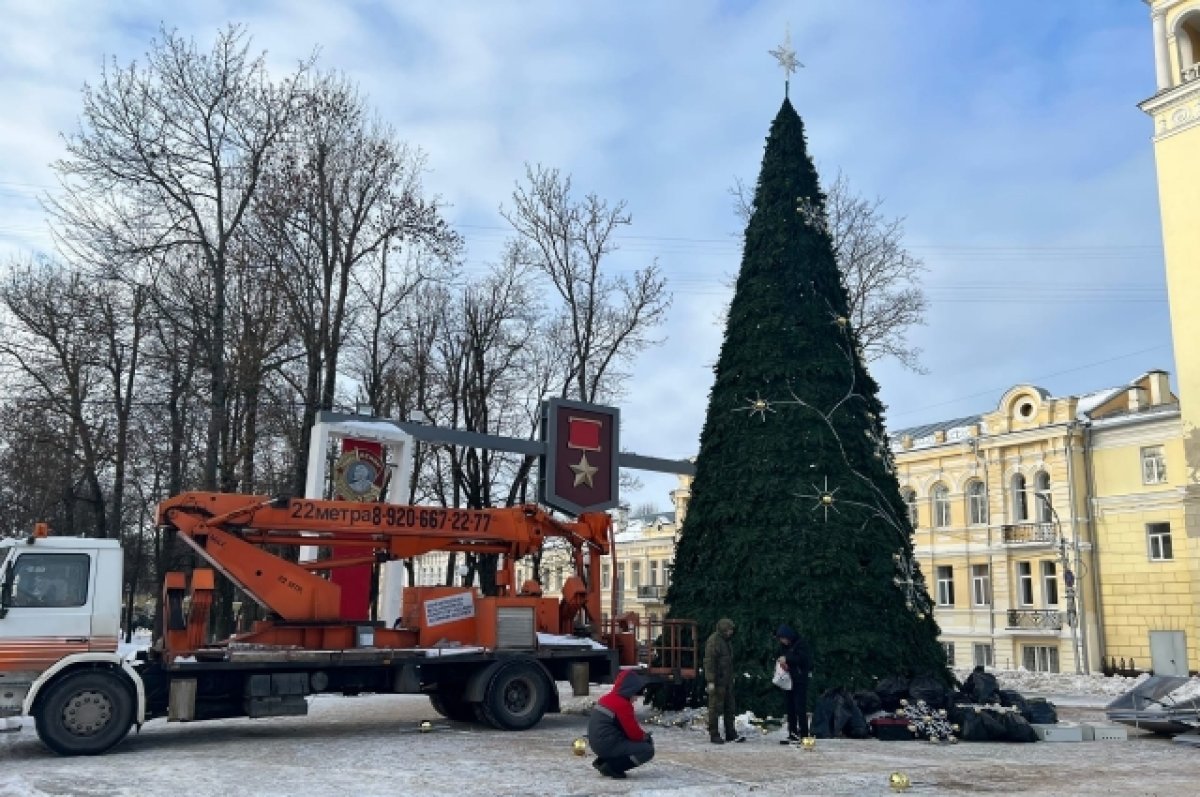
[(995, 391)]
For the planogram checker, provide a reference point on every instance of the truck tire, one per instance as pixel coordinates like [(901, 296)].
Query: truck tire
[(452, 707), (516, 696), (84, 713)]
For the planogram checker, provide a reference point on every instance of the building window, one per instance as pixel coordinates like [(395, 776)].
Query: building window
[(910, 500), (1050, 583), (1154, 465), (605, 575), (981, 585), (635, 574), (948, 647), (621, 583), (1020, 499), (945, 585), (667, 574), (1041, 487), (983, 654), (1187, 37), (654, 574), (1040, 658), (1025, 583), (977, 508), (1159, 536), (941, 506)]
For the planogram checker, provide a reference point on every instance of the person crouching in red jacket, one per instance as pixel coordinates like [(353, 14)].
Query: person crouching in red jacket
[(619, 742)]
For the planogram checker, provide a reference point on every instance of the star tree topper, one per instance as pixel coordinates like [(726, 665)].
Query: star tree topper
[(786, 57)]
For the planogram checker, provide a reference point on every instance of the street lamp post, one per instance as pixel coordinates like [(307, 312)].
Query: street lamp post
[(1064, 557)]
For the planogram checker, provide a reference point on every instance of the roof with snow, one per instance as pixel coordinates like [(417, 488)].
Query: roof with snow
[(917, 432)]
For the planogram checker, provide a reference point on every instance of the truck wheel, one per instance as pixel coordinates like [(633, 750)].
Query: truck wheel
[(452, 707), (516, 697), (84, 713)]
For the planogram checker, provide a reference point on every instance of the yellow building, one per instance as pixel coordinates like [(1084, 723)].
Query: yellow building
[(1148, 579), (1048, 529), (1175, 109)]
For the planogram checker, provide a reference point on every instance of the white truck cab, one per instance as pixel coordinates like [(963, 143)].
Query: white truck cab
[(60, 599)]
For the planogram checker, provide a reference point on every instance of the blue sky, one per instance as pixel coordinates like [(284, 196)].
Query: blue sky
[(1005, 133)]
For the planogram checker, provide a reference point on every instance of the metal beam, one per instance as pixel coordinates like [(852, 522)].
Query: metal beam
[(457, 437)]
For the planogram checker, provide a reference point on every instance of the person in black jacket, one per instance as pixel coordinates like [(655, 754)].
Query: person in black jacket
[(798, 662)]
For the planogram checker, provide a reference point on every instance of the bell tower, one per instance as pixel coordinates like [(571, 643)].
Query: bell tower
[(1175, 109)]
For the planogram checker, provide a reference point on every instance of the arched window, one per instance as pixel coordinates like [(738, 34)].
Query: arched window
[(1187, 35), (1020, 499), (941, 506), (977, 508), (1041, 487), (910, 500)]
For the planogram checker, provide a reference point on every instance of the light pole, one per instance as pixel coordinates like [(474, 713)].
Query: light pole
[(1068, 580)]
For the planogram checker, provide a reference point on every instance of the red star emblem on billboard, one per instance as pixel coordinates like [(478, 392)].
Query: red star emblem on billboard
[(579, 470)]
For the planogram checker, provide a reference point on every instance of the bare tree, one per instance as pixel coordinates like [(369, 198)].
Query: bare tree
[(344, 196), (882, 278), (57, 349), (605, 319), (168, 156)]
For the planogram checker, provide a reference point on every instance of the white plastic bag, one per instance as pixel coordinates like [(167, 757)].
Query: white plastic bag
[(782, 678)]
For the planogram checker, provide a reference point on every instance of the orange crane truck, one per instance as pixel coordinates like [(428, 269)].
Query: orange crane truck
[(488, 659)]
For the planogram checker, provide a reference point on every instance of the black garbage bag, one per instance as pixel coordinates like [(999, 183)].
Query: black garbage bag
[(822, 716), (868, 702), (981, 726), (1040, 711), (891, 691), (1013, 698), (848, 719), (982, 687), (836, 714), (930, 689), (1016, 729)]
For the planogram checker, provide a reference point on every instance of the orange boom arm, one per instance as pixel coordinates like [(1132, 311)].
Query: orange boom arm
[(229, 530)]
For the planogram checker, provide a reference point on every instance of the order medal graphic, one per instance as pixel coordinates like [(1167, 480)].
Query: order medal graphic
[(356, 475)]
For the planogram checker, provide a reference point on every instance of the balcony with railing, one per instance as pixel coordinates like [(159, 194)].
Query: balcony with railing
[(1034, 620), (1028, 534), (652, 592)]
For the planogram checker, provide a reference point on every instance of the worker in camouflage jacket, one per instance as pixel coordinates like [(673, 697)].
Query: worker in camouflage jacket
[(718, 672)]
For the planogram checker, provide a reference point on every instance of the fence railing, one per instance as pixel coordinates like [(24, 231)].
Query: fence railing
[(1035, 619), (1018, 533)]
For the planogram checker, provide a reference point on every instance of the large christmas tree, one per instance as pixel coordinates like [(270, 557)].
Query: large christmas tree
[(796, 515)]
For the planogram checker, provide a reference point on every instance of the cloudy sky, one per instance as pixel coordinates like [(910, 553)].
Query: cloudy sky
[(1005, 133)]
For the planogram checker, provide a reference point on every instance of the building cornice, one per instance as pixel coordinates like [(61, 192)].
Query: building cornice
[(1174, 110)]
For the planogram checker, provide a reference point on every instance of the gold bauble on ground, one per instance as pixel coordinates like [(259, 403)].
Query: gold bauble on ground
[(426, 726), (899, 781), (808, 742), (579, 747)]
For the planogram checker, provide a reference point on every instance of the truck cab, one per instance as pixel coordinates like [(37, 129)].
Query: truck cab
[(59, 597)]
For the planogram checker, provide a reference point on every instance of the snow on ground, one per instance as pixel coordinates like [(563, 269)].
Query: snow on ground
[(373, 745)]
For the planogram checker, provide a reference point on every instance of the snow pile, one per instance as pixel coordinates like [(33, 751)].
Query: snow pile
[(140, 640), (1052, 683)]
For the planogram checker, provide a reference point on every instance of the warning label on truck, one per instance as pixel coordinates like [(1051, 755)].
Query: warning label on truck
[(440, 611)]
